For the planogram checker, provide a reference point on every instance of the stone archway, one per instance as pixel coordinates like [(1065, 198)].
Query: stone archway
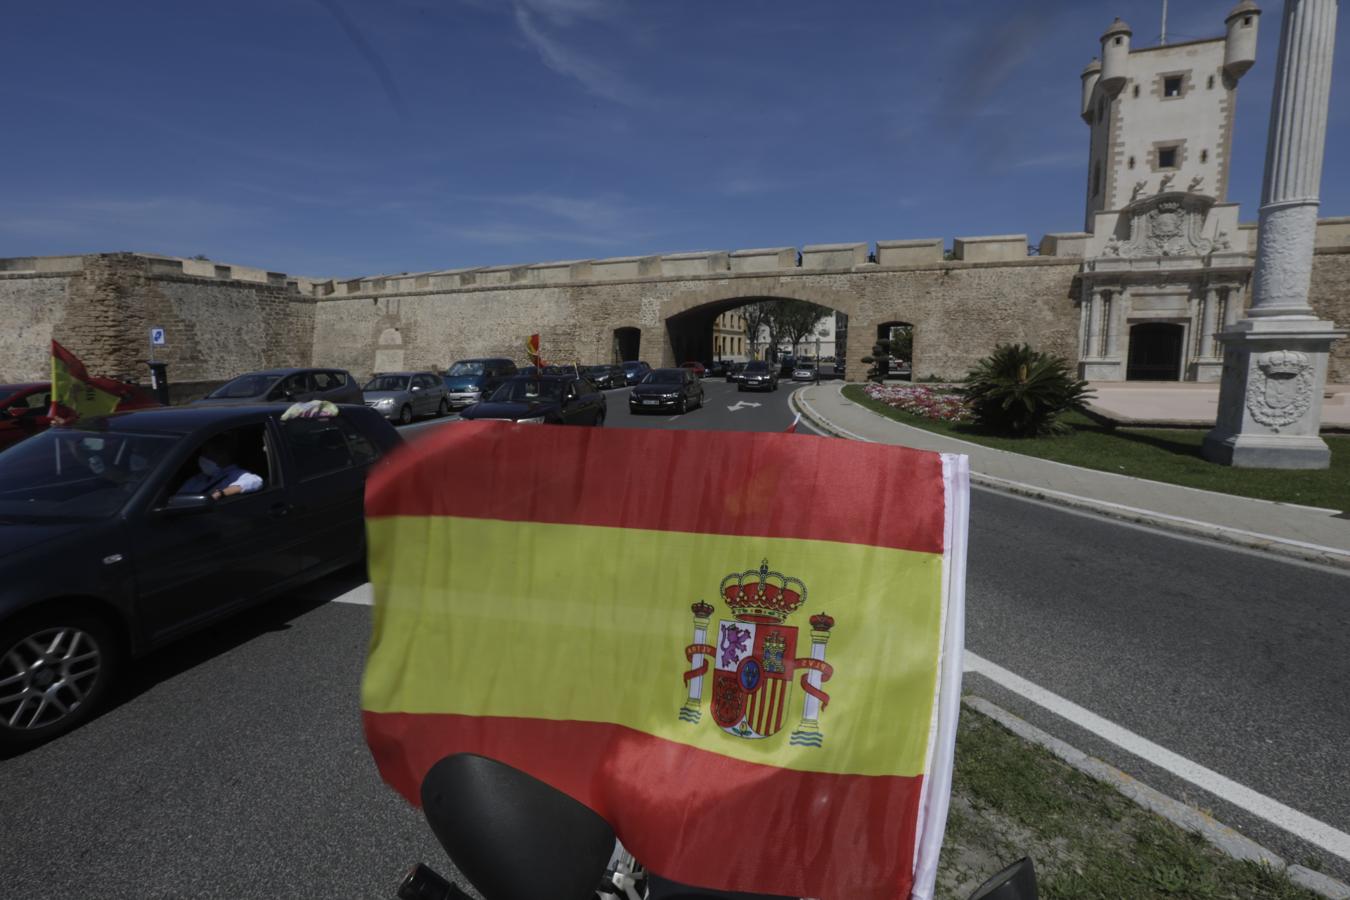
[(901, 337)]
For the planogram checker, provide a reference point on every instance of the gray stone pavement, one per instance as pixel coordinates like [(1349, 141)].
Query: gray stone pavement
[(1318, 535)]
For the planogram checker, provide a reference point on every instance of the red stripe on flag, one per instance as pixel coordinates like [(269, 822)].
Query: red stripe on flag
[(711, 482), (746, 827)]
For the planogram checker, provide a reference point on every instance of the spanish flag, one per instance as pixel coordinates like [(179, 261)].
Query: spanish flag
[(742, 650), (76, 393), (532, 348)]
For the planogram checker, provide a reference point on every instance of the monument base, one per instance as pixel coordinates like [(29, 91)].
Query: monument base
[(1270, 394)]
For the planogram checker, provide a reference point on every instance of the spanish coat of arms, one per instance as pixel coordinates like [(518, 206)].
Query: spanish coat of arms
[(754, 659)]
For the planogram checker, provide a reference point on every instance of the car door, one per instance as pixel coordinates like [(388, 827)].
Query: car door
[(328, 461), (293, 388), (592, 401), (194, 565), (424, 398)]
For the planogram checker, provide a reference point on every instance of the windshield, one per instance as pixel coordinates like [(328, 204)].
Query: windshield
[(757, 367), (597, 370), (68, 474), (244, 386), (466, 368), (387, 383), (664, 376), (527, 390)]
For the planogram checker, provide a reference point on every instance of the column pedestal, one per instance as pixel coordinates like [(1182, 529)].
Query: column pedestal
[(1270, 399)]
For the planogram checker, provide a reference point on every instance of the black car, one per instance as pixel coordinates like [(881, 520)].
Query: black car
[(634, 371), (106, 557), (758, 376), (605, 377), (666, 389), (718, 368), (544, 399), (735, 372), (287, 386), (470, 380)]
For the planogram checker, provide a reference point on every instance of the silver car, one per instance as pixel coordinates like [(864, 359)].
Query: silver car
[(404, 396)]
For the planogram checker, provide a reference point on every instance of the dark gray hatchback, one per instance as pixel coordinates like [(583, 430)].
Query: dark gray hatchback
[(108, 554), (287, 386)]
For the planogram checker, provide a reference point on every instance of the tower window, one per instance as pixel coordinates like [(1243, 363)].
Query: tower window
[(1246, 23), (1172, 86), (1118, 41), (1136, 91), (1210, 83), (1131, 162), (1167, 157), (1204, 156)]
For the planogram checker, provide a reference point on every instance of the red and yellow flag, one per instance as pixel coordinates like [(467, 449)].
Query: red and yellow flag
[(742, 650), (532, 349), (76, 393)]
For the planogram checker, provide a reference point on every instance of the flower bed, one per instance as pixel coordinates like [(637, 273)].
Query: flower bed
[(920, 401)]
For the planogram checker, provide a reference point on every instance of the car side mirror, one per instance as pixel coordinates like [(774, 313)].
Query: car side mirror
[(416, 387), (180, 504)]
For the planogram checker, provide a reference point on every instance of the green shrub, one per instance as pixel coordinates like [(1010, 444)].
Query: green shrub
[(1022, 392)]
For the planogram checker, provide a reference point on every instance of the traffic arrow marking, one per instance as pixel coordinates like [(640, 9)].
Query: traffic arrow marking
[(741, 404)]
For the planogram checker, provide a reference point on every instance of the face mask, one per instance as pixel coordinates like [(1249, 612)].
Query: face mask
[(208, 466)]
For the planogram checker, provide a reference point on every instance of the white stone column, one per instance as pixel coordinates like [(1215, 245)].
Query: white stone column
[(1209, 323), (1275, 360), (1089, 323), (1116, 324)]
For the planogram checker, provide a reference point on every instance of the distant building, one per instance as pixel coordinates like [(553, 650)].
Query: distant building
[(729, 336)]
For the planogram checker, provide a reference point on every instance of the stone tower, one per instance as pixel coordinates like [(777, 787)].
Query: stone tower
[(1166, 266), (1164, 115)]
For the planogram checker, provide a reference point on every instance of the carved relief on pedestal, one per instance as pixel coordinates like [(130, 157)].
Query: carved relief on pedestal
[(1281, 388)]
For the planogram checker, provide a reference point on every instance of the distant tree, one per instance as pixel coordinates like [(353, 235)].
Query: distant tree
[(755, 316), (796, 319)]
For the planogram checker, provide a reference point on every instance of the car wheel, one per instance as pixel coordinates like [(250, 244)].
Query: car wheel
[(405, 415), (443, 409), (55, 671)]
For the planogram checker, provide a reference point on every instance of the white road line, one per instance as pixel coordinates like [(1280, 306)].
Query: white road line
[(1273, 811), (361, 595)]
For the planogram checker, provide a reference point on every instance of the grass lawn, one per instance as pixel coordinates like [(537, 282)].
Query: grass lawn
[(1162, 454), (1012, 799)]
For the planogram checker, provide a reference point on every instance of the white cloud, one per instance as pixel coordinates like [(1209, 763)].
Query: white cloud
[(571, 63)]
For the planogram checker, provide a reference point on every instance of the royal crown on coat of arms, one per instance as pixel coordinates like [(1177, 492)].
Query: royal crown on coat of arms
[(753, 659), (758, 595)]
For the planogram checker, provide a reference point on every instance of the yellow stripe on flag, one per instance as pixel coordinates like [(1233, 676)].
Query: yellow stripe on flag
[(77, 395), (589, 623)]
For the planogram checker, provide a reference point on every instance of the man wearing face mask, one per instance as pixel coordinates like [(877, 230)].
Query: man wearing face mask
[(220, 476)]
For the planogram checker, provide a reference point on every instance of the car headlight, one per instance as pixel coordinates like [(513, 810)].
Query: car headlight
[(537, 420), (384, 402)]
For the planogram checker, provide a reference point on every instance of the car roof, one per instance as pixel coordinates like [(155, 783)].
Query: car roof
[(406, 374), (287, 371), (187, 419)]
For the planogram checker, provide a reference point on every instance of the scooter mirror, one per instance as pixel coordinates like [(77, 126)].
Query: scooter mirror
[(514, 837), (1016, 882)]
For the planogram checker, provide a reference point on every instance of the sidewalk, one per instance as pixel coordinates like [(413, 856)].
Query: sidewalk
[(1154, 403), (1298, 531)]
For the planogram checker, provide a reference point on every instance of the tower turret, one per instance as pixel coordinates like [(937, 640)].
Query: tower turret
[(1115, 57), (1091, 74), (1239, 49)]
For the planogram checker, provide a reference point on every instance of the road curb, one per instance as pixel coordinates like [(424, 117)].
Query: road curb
[(1180, 814), (1328, 556)]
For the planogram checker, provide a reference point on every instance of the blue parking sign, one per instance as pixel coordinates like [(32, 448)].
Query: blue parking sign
[(157, 337)]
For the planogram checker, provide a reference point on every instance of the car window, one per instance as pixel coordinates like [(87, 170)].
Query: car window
[(243, 386), (362, 448), (525, 389), (319, 446), (38, 400), (323, 381), (387, 383), (296, 384), (466, 368), (247, 448), (68, 474)]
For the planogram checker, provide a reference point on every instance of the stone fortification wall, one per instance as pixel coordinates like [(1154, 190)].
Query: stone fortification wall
[(1330, 298), (102, 306), (959, 308)]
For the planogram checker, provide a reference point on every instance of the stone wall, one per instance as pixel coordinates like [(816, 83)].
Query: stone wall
[(102, 311), (1330, 299)]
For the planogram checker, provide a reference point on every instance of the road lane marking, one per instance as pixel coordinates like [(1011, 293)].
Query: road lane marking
[(742, 404), (361, 595), (1291, 820)]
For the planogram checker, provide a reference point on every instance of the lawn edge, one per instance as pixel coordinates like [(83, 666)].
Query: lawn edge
[(1188, 818), (1286, 547)]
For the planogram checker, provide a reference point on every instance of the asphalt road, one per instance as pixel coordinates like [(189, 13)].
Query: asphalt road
[(235, 767)]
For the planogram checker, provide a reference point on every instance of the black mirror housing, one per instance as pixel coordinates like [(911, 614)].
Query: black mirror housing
[(188, 503)]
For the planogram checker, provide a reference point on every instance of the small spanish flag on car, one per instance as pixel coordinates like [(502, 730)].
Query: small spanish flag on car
[(76, 393), (742, 650)]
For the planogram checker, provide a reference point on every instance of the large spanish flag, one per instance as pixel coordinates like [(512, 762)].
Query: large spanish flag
[(76, 393), (742, 650)]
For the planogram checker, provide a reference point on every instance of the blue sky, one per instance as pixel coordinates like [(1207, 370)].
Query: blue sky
[(345, 137)]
